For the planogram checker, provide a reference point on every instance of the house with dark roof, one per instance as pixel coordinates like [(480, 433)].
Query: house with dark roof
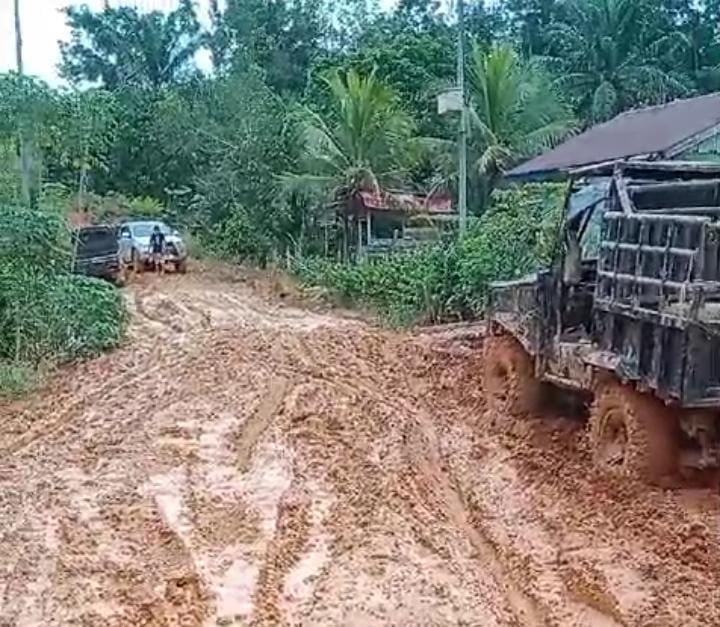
[(683, 129)]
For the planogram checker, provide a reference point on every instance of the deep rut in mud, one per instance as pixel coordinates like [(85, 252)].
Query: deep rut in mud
[(241, 462)]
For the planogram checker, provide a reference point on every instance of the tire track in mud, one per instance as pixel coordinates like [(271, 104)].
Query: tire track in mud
[(423, 452), (177, 595), (167, 312), (259, 421), (109, 390), (283, 553)]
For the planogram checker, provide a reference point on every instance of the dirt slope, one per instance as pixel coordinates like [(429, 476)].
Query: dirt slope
[(243, 463)]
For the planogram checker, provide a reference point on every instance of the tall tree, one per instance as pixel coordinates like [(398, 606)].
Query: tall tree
[(611, 58), (26, 106), (362, 143), (280, 37), (531, 21), (515, 111), (414, 64), (81, 136), (420, 14), (122, 46)]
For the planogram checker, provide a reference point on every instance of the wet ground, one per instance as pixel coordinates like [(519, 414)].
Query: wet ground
[(244, 462)]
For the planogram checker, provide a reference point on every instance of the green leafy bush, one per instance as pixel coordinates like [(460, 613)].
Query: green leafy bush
[(56, 317), (449, 280), (242, 236), (48, 315), (15, 379)]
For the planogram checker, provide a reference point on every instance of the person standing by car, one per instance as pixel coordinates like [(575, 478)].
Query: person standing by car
[(157, 249)]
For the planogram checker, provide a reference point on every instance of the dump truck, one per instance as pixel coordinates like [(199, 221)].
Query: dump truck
[(628, 316)]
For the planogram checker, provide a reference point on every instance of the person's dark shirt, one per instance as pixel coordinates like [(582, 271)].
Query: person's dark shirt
[(157, 242)]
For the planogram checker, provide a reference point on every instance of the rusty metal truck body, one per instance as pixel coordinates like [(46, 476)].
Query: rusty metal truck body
[(634, 295)]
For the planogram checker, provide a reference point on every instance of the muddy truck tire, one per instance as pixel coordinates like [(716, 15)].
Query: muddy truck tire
[(511, 388), (633, 434)]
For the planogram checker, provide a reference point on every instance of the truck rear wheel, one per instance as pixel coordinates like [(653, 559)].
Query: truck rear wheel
[(510, 384), (633, 434)]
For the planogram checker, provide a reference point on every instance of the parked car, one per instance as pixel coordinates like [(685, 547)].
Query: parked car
[(135, 245), (96, 253)]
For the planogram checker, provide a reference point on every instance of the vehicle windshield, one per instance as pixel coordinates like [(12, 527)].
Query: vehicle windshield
[(590, 243), (591, 197), (145, 229)]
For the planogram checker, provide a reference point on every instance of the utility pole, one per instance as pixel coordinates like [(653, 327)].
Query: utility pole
[(462, 170), (25, 146), (18, 39)]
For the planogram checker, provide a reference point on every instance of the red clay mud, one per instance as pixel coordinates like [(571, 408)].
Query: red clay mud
[(242, 462)]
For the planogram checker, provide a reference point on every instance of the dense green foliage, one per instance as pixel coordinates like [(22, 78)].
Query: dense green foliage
[(47, 315), (217, 148), (307, 103), (449, 280), (124, 47)]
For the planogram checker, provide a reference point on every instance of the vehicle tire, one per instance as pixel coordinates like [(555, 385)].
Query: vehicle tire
[(633, 434), (182, 266), (137, 264), (510, 384)]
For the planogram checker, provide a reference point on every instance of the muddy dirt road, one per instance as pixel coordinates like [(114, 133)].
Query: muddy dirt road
[(244, 463)]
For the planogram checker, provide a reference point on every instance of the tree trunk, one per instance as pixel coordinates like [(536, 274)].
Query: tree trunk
[(26, 168), (25, 144)]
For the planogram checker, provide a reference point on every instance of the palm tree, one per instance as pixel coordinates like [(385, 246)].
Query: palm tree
[(363, 143), (611, 58), (515, 112), (117, 46)]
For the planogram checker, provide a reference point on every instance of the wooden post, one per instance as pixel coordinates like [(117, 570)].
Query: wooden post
[(369, 228), (358, 224)]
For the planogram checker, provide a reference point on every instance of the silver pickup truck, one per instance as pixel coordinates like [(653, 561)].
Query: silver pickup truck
[(135, 245)]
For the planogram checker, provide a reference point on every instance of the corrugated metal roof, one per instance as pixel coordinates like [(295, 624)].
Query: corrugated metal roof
[(649, 131), (406, 201)]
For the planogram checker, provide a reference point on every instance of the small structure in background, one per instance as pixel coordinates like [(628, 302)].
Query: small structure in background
[(392, 221)]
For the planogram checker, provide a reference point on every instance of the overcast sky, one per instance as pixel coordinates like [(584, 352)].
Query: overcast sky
[(44, 26)]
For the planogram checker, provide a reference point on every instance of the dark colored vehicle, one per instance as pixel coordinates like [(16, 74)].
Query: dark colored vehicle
[(629, 314), (96, 253)]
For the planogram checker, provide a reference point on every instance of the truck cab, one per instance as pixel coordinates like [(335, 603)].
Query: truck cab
[(628, 315)]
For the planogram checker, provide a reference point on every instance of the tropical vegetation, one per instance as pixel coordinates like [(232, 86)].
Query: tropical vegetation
[(256, 129)]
